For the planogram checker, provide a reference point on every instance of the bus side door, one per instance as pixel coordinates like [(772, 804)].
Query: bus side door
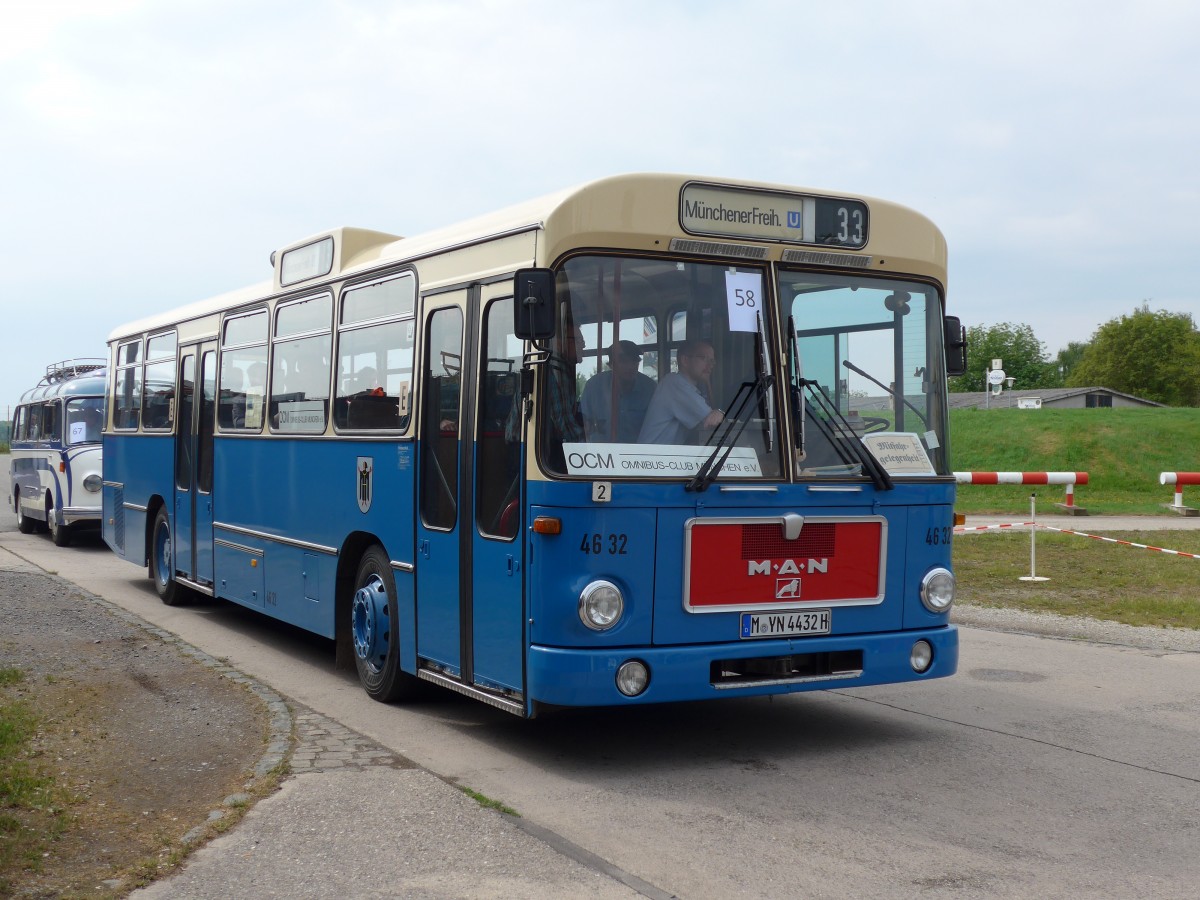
[(194, 462), (497, 608), (439, 523)]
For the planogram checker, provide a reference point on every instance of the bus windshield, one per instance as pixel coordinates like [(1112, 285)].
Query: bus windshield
[(658, 364), (866, 356)]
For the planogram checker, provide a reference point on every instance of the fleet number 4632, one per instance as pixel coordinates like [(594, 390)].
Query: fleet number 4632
[(943, 535), (596, 543)]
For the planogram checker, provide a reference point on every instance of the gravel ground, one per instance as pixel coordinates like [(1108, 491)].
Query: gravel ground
[(148, 744), (1183, 640)]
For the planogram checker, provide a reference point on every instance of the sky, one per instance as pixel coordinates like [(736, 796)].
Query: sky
[(154, 153)]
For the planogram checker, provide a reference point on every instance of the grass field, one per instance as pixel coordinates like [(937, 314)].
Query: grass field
[(1122, 450), (1086, 577)]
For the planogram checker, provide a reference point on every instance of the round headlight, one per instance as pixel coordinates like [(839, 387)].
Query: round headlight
[(921, 656), (937, 590), (633, 677), (92, 483), (601, 605)]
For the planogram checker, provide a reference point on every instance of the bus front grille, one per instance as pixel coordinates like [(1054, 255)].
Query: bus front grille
[(794, 669)]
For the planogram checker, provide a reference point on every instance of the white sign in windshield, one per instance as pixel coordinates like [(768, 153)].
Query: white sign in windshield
[(744, 295), (655, 460), (901, 453)]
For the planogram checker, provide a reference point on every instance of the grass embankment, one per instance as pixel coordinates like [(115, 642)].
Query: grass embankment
[(1122, 450)]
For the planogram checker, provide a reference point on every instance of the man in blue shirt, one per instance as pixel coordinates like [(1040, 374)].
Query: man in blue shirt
[(634, 391), (680, 406)]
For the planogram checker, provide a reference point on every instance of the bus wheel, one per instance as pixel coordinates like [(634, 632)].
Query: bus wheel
[(59, 533), (162, 569), (375, 629), (25, 525)]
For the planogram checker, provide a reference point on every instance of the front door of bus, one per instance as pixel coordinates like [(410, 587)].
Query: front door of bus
[(469, 596), (194, 462), (439, 522)]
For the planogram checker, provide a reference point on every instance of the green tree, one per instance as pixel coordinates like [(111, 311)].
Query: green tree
[(1024, 358), (1151, 354), (1068, 358)]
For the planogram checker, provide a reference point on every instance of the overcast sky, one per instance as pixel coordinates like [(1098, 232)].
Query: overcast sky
[(154, 153)]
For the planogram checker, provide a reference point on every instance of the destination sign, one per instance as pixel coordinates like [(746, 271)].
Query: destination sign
[(774, 216)]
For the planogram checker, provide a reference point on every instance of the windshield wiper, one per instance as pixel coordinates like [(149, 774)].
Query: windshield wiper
[(726, 434), (895, 396), (850, 441)]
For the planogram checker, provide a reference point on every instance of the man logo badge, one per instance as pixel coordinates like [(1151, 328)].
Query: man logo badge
[(787, 588), (366, 481)]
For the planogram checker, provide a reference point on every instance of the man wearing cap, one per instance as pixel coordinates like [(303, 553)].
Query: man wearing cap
[(634, 391)]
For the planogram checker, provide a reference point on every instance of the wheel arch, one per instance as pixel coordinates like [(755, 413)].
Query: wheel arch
[(155, 503), (349, 554)]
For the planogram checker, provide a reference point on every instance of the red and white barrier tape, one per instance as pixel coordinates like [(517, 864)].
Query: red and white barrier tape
[(1095, 537)]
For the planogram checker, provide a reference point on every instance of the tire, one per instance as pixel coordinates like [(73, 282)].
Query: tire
[(60, 534), (162, 556), (375, 630), (25, 525)]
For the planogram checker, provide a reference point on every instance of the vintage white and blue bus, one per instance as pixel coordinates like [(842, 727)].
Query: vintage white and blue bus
[(654, 438), (55, 467)]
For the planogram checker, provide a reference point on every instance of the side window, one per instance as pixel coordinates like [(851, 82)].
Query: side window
[(52, 422), (208, 403), (21, 424), (300, 366), (183, 442), (158, 398), (243, 391), (498, 454), (375, 356), (127, 387), (440, 418)]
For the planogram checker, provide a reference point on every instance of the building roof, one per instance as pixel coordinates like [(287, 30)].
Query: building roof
[(1049, 397)]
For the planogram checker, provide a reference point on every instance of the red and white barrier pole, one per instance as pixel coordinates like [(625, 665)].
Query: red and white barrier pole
[(1070, 479), (1179, 479)]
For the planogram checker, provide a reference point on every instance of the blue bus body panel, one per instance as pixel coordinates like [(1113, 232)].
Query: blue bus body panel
[(144, 468), (297, 583), (637, 541), (564, 677)]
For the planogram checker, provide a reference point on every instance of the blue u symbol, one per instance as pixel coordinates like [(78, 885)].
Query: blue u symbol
[(794, 219)]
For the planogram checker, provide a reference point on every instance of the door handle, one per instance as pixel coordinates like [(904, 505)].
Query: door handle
[(424, 548)]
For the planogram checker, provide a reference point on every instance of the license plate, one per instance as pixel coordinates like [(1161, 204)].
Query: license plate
[(785, 624)]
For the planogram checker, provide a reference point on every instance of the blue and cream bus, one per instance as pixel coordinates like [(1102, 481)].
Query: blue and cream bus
[(649, 439), (55, 467)]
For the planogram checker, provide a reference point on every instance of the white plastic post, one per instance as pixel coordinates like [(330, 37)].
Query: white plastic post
[(1033, 575)]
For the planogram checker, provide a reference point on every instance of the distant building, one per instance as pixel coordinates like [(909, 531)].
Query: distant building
[(1051, 398)]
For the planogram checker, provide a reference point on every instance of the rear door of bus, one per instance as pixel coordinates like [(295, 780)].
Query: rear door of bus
[(194, 462)]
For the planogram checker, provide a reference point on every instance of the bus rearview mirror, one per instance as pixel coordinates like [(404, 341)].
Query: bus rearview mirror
[(533, 292), (955, 340)]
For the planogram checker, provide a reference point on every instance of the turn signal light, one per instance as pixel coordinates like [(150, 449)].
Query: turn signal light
[(960, 519), (547, 525)]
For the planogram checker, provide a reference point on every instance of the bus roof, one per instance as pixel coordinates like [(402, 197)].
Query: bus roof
[(69, 378), (635, 211)]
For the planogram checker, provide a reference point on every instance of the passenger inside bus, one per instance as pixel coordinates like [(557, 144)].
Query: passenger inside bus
[(633, 393), (681, 407)]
